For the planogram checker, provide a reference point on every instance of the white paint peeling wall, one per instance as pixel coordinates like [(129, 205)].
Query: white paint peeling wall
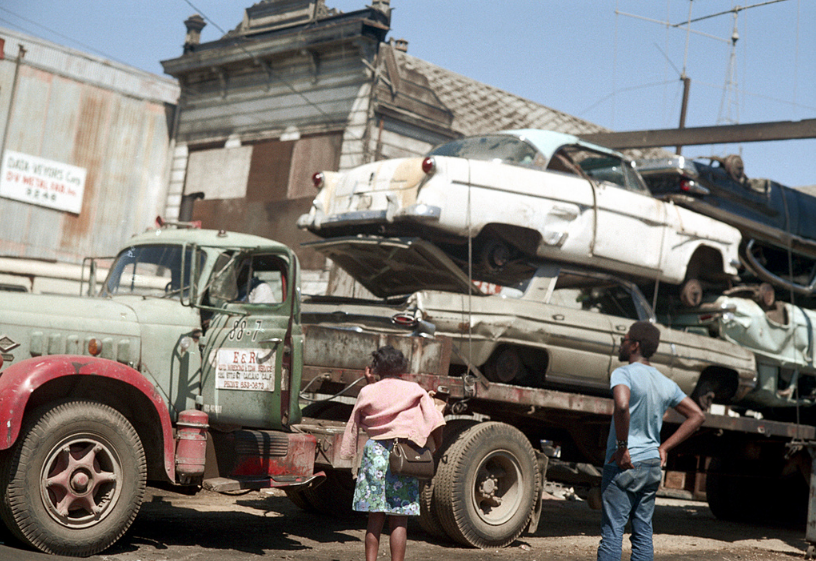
[(352, 153)]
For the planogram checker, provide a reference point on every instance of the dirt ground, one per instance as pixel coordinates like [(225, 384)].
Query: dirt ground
[(266, 526)]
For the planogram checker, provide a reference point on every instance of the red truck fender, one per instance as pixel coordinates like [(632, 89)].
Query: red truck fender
[(20, 380)]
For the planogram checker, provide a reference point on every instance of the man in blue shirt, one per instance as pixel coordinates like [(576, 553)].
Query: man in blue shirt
[(634, 454)]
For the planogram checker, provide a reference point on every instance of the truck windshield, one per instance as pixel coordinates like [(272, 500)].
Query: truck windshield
[(151, 270)]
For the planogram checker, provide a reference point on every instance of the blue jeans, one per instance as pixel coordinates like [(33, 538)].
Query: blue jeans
[(628, 495)]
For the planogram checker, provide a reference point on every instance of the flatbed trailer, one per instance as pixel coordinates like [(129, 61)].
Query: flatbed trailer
[(748, 469)]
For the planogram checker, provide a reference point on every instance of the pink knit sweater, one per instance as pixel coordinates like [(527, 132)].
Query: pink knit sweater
[(391, 408)]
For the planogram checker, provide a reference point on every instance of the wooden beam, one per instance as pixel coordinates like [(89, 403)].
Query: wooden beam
[(724, 134)]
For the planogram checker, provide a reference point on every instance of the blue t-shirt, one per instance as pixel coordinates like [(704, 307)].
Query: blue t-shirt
[(651, 394)]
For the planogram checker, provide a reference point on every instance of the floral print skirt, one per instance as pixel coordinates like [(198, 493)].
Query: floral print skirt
[(379, 490)]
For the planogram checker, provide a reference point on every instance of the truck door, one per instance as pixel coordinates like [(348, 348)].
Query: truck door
[(253, 342)]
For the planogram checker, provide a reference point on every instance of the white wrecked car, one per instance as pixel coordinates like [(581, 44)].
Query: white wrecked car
[(528, 194), (560, 328), (783, 338)]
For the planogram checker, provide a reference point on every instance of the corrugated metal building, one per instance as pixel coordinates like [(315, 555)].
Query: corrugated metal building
[(72, 111), (298, 87)]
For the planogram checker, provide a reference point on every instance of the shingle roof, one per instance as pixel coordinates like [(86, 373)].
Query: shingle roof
[(479, 107)]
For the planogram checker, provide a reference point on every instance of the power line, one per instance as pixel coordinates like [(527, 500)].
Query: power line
[(57, 33), (270, 74)]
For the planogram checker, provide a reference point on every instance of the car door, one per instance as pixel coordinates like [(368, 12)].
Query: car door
[(630, 224), (581, 339), (251, 349), (631, 227)]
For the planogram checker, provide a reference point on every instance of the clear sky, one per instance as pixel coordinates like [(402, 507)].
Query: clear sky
[(613, 62)]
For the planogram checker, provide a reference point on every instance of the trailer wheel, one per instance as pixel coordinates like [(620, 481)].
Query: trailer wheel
[(333, 497), (428, 517), (722, 492), (756, 491), (75, 479), (486, 486)]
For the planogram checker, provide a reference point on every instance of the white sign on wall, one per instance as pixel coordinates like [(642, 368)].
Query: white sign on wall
[(42, 182)]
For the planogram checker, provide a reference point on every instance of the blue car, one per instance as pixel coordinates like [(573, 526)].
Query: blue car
[(776, 222)]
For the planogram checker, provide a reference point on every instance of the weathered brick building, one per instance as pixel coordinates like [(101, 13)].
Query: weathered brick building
[(298, 87)]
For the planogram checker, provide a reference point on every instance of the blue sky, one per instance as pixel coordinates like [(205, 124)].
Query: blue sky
[(608, 61)]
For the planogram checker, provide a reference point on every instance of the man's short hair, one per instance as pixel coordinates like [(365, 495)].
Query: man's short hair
[(647, 334), (388, 360)]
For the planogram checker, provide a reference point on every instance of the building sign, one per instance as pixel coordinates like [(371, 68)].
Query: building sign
[(42, 182), (245, 369)]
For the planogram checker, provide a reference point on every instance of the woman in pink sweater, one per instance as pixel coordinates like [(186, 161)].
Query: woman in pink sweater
[(388, 409)]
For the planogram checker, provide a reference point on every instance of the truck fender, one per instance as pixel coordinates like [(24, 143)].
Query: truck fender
[(20, 380)]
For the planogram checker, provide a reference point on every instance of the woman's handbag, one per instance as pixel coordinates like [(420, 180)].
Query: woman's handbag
[(407, 458)]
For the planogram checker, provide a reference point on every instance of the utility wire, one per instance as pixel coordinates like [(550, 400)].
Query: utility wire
[(270, 74), (57, 33)]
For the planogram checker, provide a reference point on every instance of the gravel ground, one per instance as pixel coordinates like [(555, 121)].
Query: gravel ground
[(266, 526)]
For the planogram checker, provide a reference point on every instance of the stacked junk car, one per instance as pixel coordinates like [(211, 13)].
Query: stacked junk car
[(533, 251), (506, 267)]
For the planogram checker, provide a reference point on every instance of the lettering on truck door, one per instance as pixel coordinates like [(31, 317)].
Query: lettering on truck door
[(243, 354)]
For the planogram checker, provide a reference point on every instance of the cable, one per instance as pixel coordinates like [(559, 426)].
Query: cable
[(338, 394), (270, 74), (57, 33)]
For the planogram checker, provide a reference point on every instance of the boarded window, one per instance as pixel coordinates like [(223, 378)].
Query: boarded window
[(219, 173), (276, 188)]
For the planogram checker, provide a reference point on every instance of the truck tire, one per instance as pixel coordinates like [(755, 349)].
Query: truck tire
[(428, 518), (486, 486), (722, 492), (333, 497), (756, 491), (75, 480)]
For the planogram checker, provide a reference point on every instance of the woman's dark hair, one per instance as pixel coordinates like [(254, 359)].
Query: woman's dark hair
[(647, 334), (388, 360)]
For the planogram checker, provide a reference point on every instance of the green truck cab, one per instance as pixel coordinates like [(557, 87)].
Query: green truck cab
[(187, 360)]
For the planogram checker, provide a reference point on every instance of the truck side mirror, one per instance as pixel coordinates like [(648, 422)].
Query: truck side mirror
[(92, 278), (92, 266)]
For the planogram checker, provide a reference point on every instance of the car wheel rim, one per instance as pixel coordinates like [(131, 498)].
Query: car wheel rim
[(497, 491), (79, 483)]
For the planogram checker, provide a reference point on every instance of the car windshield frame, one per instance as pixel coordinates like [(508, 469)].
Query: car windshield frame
[(498, 148)]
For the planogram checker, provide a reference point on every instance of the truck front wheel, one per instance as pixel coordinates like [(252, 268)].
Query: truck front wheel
[(75, 479), (486, 486)]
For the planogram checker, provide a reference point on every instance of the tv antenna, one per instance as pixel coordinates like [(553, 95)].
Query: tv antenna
[(730, 100)]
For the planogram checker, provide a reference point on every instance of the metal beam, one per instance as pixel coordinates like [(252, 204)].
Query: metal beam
[(724, 134)]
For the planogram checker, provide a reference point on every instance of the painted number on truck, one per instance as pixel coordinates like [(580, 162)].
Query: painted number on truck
[(245, 369)]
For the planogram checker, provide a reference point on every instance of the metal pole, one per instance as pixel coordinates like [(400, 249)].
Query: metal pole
[(21, 53), (683, 108)]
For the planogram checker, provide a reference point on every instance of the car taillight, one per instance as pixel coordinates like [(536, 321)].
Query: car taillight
[(318, 179), (404, 319), (429, 165), (686, 184)]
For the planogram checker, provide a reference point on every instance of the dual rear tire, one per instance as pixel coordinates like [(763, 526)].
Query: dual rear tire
[(486, 487)]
